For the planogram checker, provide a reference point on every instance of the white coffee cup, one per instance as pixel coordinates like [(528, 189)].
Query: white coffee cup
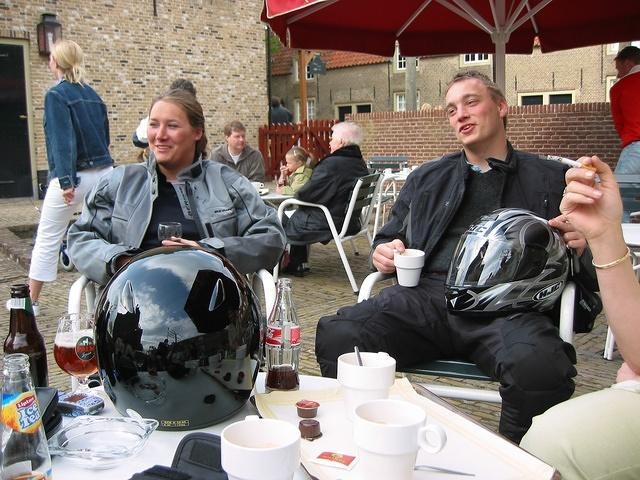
[(260, 449), (370, 381), (258, 186), (388, 434), (408, 266)]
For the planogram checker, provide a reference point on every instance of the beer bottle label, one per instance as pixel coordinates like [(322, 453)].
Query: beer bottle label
[(20, 304), (85, 348), (20, 412)]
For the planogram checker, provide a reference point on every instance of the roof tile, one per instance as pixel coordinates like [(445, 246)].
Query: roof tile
[(282, 61)]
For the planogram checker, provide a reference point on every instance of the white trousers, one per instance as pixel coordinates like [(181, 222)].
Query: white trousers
[(54, 220)]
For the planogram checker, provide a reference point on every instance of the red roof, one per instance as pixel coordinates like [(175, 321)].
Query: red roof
[(282, 61)]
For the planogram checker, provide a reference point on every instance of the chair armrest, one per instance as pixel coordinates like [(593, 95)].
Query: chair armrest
[(269, 289), (82, 284), (369, 282), (294, 201), (567, 304)]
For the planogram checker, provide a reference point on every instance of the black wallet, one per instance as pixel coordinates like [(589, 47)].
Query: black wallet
[(198, 454), (197, 458), (48, 402)]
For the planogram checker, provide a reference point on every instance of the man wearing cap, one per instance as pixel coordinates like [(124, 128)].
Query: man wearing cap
[(625, 109)]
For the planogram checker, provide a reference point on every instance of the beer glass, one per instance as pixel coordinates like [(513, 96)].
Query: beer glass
[(166, 230), (74, 348)]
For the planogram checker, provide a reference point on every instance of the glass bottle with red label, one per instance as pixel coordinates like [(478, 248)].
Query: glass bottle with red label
[(283, 342), (25, 454), (24, 337)]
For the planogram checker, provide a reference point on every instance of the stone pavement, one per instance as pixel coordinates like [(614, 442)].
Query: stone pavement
[(320, 293)]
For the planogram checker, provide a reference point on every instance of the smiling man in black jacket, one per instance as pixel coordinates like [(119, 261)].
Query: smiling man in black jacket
[(436, 206), (330, 185)]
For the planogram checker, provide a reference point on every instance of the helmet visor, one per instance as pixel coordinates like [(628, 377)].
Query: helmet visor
[(482, 261)]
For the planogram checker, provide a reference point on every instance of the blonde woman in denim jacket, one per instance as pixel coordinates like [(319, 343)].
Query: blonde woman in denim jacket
[(76, 130)]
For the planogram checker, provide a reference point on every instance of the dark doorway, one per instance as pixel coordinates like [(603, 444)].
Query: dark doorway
[(15, 161)]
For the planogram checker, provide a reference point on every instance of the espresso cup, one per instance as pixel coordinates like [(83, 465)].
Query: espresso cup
[(388, 434), (258, 186), (408, 266), (370, 381), (260, 449)]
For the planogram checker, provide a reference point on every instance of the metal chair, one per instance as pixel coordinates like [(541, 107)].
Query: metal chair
[(466, 370), (379, 163), (388, 167), (630, 193), (364, 194)]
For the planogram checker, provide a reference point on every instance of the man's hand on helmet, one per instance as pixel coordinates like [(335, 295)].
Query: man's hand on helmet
[(572, 237)]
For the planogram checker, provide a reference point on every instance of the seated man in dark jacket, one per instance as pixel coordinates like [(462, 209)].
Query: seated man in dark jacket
[(523, 351), (331, 185)]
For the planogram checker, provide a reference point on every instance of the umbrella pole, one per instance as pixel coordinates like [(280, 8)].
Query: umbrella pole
[(499, 59)]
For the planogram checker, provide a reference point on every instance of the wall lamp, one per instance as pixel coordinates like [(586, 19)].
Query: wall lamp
[(49, 31)]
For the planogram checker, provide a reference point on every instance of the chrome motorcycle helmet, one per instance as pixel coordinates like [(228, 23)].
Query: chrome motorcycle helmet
[(509, 260), (177, 337)]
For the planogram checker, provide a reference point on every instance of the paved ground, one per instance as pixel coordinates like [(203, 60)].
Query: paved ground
[(322, 292)]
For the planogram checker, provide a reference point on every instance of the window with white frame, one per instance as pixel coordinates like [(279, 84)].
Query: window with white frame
[(475, 59), (610, 80), (311, 109), (612, 48), (636, 43), (309, 76), (400, 61), (546, 98), (400, 101)]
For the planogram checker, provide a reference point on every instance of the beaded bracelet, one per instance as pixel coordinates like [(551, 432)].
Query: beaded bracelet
[(614, 263)]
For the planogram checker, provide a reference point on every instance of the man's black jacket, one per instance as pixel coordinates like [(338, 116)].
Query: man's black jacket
[(433, 193)]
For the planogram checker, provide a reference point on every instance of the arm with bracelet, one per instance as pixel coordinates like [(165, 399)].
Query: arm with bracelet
[(595, 209)]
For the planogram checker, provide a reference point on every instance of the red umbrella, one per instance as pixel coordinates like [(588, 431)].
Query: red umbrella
[(435, 27)]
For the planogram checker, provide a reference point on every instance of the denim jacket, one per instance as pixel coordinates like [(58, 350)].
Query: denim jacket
[(76, 129)]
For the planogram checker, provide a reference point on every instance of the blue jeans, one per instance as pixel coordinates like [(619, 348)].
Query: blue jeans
[(629, 161)]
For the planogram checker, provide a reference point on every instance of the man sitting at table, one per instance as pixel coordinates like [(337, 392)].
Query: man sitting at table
[(436, 206), (331, 184), (239, 155)]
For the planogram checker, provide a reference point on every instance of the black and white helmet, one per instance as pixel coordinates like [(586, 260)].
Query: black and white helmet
[(509, 260)]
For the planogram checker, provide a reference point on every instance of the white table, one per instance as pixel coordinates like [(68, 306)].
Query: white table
[(161, 446), (275, 198), (465, 435), (631, 233)]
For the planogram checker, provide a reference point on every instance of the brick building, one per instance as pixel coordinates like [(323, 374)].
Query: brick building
[(566, 130), (359, 83), (133, 50)]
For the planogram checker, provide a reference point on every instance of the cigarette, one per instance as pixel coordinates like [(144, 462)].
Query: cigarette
[(569, 162)]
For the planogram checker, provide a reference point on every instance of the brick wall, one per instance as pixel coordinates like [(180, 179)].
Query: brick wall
[(131, 56), (567, 130)]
